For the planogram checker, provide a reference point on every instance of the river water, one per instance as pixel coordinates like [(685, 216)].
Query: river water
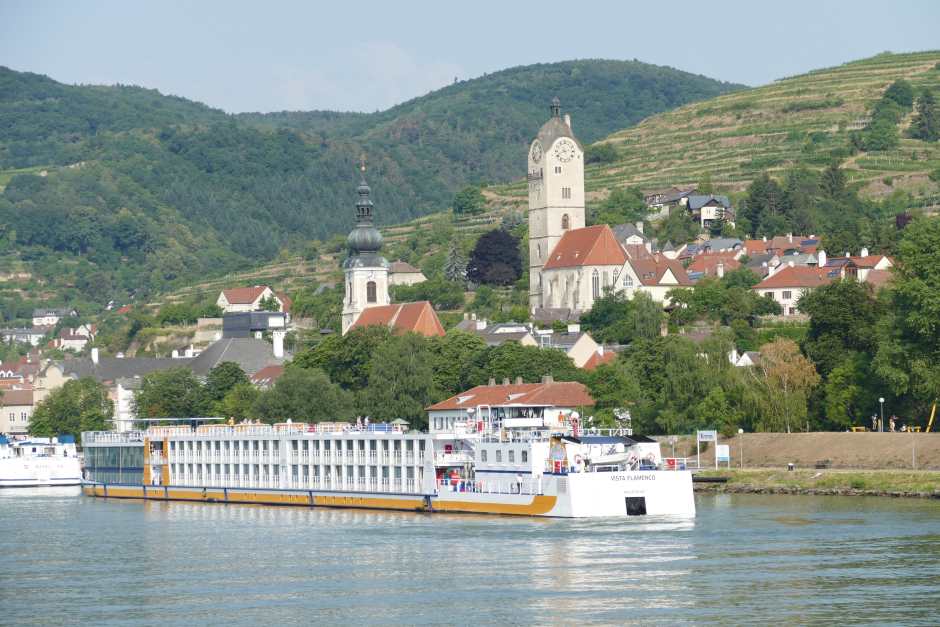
[(67, 559)]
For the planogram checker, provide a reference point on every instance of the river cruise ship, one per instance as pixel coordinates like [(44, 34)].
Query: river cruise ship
[(39, 462), (480, 464)]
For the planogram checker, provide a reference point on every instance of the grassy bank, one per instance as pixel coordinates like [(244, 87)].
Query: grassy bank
[(849, 482)]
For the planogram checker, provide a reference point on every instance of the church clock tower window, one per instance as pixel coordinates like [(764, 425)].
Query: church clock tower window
[(565, 222), (370, 292), (596, 285)]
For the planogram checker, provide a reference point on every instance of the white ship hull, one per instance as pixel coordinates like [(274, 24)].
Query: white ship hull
[(29, 472)]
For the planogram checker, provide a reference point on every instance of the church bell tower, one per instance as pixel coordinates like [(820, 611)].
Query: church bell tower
[(366, 270), (556, 193)]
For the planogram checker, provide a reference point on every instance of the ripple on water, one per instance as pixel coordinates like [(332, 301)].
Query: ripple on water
[(745, 558)]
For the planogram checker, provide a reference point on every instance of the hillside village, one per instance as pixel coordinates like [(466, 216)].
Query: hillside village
[(569, 291)]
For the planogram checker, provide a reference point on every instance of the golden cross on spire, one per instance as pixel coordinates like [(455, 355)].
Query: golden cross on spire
[(362, 162)]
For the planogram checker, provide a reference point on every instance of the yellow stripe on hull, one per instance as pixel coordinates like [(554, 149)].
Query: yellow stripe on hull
[(539, 506), (257, 498)]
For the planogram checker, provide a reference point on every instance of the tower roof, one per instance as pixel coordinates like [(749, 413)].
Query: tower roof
[(364, 241), (555, 127)]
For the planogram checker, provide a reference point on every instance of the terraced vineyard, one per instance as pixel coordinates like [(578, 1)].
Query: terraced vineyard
[(804, 119)]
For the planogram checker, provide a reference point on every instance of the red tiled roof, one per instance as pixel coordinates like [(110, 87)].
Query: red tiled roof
[(755, 247), (651, 270), (590, 246), (597, 359), (869, 261), (125, 309), (402, 267), (555, 394), (707, 263), (286, 301), (243, 295), (17, 397), (795, 276), (418, 317), (267, 375)]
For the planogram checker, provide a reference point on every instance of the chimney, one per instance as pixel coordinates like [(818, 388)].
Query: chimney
[(600, 350), (278, 337), (790, 237), (821, 259), (790, 263), (639, 226), (481, 324), (492, 381), (764, 239), (568, 120), (518, 380), (574, 328), (863, 253), (94, 355), (720, 269), (473, 316), (548, 378), (465, 315), (175, 354), (505, 380)]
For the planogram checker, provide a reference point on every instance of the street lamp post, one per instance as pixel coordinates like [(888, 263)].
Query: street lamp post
[(741, 446), (881, 401)]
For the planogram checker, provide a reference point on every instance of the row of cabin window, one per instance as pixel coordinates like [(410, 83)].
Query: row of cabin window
[(295, 445), (267, 470), (512, 456)]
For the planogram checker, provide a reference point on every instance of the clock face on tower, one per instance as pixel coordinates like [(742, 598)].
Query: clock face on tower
[(536, 152), (564, 150)]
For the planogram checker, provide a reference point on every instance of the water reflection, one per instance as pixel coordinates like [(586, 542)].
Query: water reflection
[(743, 559)]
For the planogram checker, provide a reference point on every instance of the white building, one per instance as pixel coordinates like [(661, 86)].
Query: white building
[(50, 317), (403, 273), (556, 200), (16, 410)]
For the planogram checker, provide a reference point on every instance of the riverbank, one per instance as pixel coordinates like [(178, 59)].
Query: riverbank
[(896, 483), (850, 451)]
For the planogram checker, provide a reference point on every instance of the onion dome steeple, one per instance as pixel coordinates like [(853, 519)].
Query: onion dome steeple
[(364, 241)]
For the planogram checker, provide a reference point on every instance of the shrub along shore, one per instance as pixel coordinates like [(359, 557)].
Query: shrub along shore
[(897, 483)]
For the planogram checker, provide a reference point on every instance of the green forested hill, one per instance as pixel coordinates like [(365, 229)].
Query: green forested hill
[(111, 191)]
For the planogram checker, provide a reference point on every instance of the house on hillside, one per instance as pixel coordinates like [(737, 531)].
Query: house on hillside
[(403, 273), (712, 265), (16, 409), (51, 317), (242, 299), (632, 235), (708, 209), (664, 199), (787, 285), (653, 274), (547, 404), (32, 336)]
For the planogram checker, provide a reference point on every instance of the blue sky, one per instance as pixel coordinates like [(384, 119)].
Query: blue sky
[(364, 56)]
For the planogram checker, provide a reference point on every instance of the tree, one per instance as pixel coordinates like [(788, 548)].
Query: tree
[(79, 405), (612, 387), (346, 359), (239, 402), (455, 357), (926, 123), (715, 410), (442, 293), (469, 201), (510, 360), (705, 185), (901, 92), (223, 378), (495, 259), (622, 205), (304, 395), (848, 391), (833, 181), (455, 266), (678, 227), (786, 378), (270, 303), (600, 153), (843, 317), (401, 381), (171, 393)]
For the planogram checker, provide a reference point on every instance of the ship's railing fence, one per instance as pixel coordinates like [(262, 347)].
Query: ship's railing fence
[(525, 485), (112, 437), (222, 430)]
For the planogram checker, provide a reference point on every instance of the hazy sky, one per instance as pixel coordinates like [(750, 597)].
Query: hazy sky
[(359, 55)]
